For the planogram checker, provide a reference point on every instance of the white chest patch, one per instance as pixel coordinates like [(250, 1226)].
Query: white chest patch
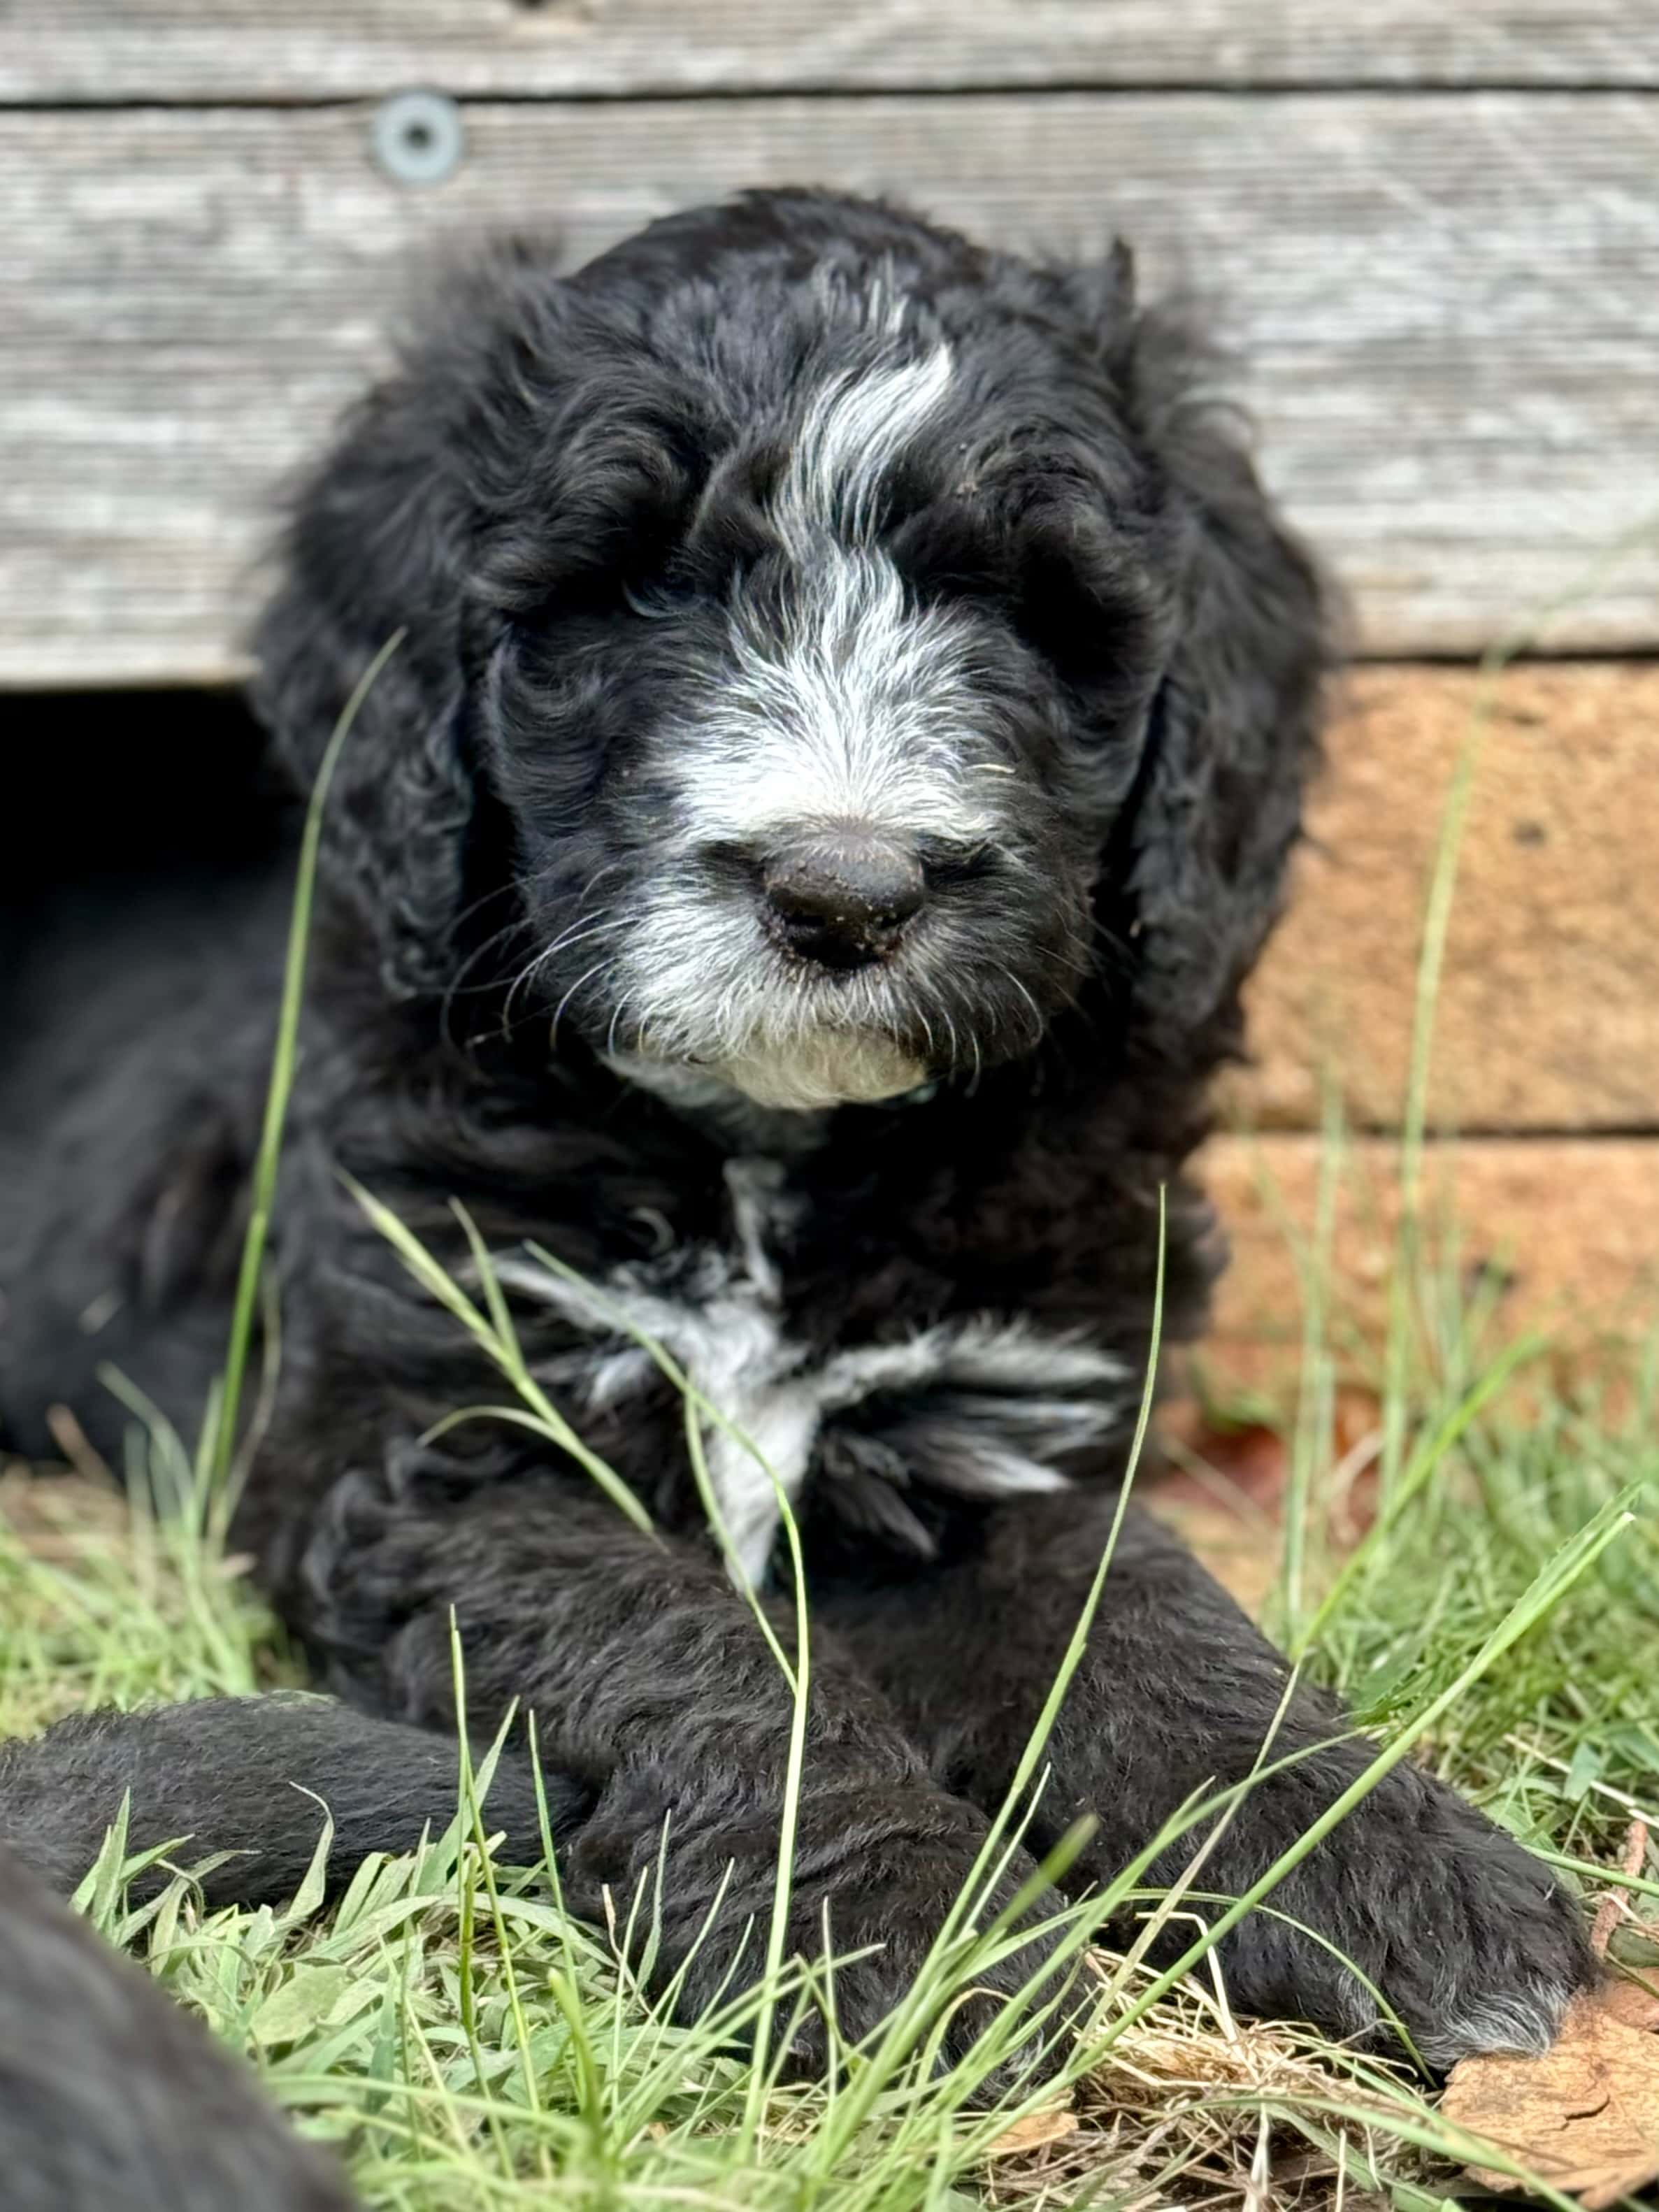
[(989, 1402)]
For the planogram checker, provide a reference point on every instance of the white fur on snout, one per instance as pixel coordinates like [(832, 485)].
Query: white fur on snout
[(994, 1401), (853, 704), (860, 706), (857, 705)]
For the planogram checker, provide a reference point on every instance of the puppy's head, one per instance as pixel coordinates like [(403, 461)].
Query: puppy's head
[(852, 649)]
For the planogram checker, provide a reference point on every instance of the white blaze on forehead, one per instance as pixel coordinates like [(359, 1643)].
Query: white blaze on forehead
[(855, 431), (852, 703)]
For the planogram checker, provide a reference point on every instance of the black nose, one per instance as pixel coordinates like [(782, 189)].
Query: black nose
[(841, 895)]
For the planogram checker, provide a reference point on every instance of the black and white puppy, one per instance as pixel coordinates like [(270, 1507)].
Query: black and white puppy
[(797, 869)]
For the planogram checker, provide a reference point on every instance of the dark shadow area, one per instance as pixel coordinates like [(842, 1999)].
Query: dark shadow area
[(107, 784)]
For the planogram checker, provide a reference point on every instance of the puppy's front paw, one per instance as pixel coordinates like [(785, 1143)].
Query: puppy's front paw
[(1472, 1941), (878, 1867), (386, 1556), (364, 1571)]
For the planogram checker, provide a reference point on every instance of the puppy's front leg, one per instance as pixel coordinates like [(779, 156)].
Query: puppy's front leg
[(1468, 1937), (650, 1681)]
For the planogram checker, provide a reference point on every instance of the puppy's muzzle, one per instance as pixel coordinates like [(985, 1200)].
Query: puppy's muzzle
[(842, 897)]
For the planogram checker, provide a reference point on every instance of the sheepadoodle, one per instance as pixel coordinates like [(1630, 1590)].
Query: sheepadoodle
[(791, 883)]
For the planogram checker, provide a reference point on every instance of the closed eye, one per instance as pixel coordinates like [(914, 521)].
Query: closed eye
[(651, 605), (946, 861)]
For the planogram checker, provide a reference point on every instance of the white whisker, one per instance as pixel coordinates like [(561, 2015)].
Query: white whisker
[(558, 1011), (1036, 1011)]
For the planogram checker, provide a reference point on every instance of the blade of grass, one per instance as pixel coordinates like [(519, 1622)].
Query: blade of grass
[(284, 1061), (905, 2023), (503, 1350), (1428, 1455), (496, 1334)]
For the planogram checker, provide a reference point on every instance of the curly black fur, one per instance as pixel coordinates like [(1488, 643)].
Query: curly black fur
[(110, 2095), (603, 509)]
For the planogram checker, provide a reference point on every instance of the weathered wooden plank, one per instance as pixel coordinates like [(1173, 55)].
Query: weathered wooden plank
[(1547, 1014), (1551, 1234), (1449, 321), (116, 49)]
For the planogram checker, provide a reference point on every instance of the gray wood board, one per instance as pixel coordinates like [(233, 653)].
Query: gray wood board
[(180, 50), (1449, 315)]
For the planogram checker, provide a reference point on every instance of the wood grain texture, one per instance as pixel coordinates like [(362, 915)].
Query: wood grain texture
[(1449, 321), (1547, 1016), (171, 50), (1553, 1234)]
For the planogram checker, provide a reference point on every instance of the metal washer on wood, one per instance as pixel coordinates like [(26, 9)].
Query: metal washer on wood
[(418, 137)]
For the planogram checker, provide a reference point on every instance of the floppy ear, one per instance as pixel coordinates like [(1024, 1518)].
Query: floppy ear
[(1234, 726), (376, 545), (384, 537)]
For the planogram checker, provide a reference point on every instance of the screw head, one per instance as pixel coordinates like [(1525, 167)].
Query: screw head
[(418, 137)]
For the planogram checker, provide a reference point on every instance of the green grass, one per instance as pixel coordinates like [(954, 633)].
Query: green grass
[(466, 2044)]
